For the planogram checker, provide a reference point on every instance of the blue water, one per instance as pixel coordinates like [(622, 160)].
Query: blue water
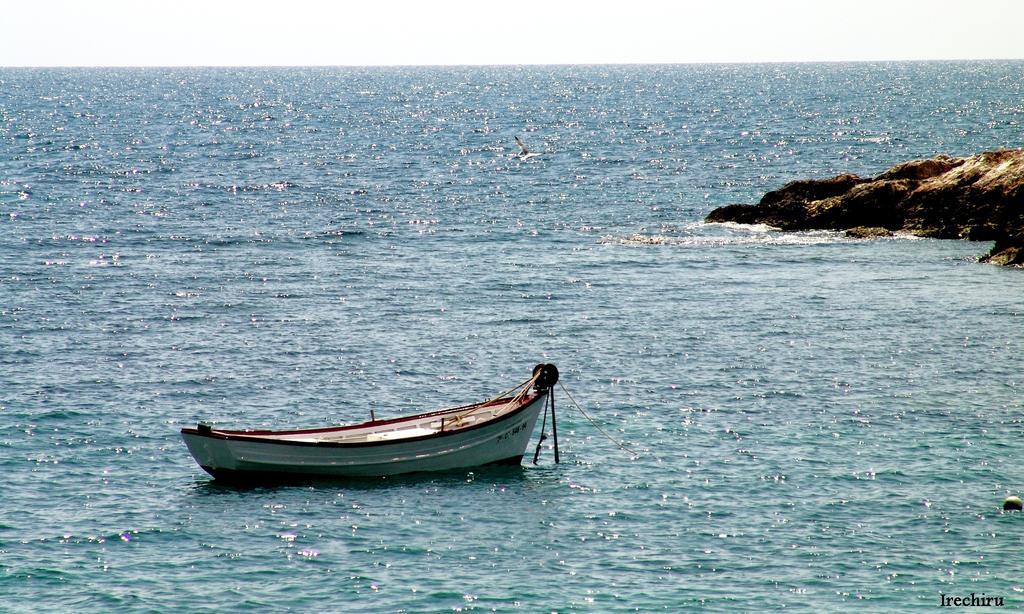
[(821, 423)]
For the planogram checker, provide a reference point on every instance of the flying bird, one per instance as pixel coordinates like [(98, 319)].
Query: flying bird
[(525, 153)]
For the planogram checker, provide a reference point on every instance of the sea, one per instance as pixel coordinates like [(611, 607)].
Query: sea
[(796, 421)]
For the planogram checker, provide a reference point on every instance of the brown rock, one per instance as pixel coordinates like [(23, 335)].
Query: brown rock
[(868, 232), (918, 170), (1007, 252), (978, 197)]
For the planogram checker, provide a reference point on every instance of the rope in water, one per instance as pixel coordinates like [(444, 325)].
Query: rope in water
[(543, 434), (596, 425)]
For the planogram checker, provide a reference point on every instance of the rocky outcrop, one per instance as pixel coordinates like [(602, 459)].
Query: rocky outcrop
[(868, 232), (979, 198)]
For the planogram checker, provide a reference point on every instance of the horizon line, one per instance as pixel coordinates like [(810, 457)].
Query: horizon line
[(523, 65)]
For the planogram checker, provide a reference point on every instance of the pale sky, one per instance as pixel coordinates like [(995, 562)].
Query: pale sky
[(382, 32)]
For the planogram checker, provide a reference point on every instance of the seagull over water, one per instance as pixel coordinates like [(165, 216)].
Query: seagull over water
[(525, 153)]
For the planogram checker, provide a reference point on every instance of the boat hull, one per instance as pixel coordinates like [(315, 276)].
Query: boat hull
[(234, 455)]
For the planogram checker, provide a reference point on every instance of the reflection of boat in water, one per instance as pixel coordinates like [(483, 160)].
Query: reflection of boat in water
[(496, 431), (525, 153)]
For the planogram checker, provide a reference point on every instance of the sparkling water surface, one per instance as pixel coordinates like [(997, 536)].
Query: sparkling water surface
[(822, 423)]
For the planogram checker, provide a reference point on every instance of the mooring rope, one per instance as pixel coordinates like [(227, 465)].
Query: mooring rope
[(543, 434), (596, 425), (512, 402)]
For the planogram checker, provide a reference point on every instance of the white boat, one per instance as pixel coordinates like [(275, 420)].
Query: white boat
[(495, 431)]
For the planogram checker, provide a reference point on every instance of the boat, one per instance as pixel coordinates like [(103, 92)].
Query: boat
[(495, 431)]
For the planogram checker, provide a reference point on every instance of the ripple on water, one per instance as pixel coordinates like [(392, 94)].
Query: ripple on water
[(820, 421)]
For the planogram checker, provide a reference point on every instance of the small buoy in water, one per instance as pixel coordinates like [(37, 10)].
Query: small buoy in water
[(1013, 503)]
